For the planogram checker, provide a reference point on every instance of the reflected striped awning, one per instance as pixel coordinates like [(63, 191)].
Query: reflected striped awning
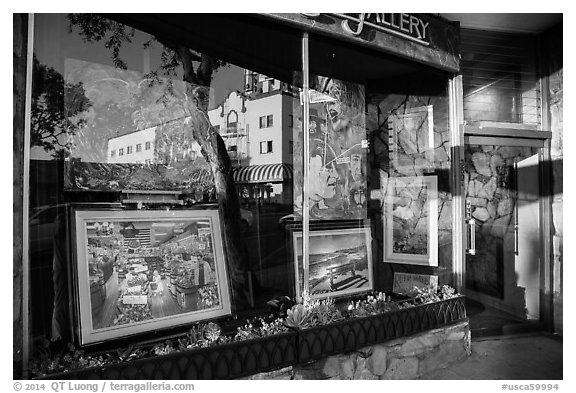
[(202, 176), (267, 173)]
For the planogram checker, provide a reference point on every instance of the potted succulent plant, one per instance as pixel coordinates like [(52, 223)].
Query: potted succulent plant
[(309, 331), (324, 330)]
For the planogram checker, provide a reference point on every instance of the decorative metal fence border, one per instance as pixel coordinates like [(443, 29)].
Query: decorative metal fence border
[(243, 358)]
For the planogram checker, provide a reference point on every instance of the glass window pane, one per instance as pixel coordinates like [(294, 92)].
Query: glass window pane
[(93, 104), (499, 73), (379, 130)]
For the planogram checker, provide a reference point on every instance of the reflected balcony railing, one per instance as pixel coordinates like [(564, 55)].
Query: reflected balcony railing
[(237, 157), (232, 132)]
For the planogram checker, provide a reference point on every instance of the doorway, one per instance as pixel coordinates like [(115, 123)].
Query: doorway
[(503, 254)]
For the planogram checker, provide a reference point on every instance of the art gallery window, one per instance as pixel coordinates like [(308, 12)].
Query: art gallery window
[(130, 214), (380, 141), (378, 204)]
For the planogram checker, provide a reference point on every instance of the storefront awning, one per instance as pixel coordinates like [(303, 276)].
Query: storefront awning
[(268, 173), (263, 173)]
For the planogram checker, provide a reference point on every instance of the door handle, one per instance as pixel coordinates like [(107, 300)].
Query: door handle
[(516, 241), (472, 249)]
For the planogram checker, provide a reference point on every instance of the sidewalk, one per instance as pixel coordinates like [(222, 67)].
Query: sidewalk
[(533, 356)]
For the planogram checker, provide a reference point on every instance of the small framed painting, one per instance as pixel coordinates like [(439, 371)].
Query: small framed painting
[(410, 135), (140, 270), (340, 263), (411, 221)]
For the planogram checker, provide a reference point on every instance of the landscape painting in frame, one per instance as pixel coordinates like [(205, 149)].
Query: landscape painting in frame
[(340, 263), (411, 220), (139, 271)]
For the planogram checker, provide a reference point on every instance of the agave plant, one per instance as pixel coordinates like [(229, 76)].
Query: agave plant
[(298, 317), (212, 332)]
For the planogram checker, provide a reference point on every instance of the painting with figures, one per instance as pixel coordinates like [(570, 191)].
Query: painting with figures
[(138, 271), (338, 146)]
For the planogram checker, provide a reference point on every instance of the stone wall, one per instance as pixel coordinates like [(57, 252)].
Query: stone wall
[(410, 137), (406, 358)]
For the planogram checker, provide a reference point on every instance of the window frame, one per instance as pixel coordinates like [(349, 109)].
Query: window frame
[(268, 145)]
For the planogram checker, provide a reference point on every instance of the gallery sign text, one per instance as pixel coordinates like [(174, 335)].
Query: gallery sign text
[(404, 25)]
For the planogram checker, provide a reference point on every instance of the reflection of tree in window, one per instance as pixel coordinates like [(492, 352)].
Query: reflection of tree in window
[(57, 110), (196, 70)]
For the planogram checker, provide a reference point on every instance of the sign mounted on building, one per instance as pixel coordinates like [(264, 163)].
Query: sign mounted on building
[(420, 37), (404, 25)]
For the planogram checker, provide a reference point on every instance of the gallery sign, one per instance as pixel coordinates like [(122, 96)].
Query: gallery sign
[(404, 25), (421, 37)]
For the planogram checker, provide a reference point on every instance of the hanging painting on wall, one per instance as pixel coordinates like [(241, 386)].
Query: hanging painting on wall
[(134, 134), (139, 271), (338, 146), (411, 220), (340, 262), (411, 140)]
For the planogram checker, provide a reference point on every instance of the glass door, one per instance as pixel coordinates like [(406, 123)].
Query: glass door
[(502, 191)]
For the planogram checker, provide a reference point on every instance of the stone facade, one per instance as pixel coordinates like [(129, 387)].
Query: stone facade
[(406, 358), (410, 137)]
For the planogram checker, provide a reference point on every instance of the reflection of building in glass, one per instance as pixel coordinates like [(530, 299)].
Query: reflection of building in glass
[(256, 126), (154, 145)]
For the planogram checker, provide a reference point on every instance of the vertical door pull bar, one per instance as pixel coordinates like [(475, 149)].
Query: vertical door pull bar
[(516, 240), (472, 223)]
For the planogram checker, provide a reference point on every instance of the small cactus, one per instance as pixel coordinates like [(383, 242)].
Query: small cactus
[(212, 332), (298, 317)]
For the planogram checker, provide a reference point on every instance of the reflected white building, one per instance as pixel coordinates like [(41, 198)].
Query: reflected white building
[(257, 128), (143, 147)]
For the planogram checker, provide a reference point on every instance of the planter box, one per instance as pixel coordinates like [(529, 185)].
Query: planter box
[(227, 361), (243, 358), (351, 334)]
